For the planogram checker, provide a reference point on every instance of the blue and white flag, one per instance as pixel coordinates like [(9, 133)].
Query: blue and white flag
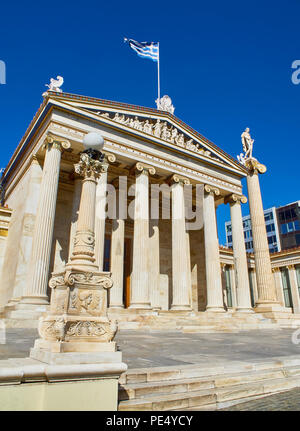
[(144, 49)]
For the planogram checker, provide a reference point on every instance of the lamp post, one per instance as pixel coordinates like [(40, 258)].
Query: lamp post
[(77, 321)]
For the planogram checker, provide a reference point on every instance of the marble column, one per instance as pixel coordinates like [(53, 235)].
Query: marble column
[(101, 201), (233, 286), (75, 210), (294, 289), (181, 268), (267, 298), (117, 258), (139, 287), (212, 255), (239, 253), (154, 264), (37, 280), (278, 284)]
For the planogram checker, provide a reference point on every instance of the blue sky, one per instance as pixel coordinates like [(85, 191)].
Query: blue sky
[(226, 66)]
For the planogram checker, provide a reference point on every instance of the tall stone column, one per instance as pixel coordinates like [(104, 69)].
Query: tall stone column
[(181, 268), (117, 259), (294, 289), (37, 280), (278, 285), (267, 298), (239, 253), (154, 264), (75, 210), (139, 288), (233, 286), (212, 255), (101, 200)]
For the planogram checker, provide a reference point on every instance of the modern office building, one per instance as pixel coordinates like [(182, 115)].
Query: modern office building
[(282, 226)]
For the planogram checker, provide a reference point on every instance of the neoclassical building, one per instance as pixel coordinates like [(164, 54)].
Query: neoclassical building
[(167, 268)]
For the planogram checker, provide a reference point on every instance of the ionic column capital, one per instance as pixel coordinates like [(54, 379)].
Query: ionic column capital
[(56, 142), (254, 166), (178, 179), (232, 199), (141, 167), (290, 267), (277, 269), (211, 190)]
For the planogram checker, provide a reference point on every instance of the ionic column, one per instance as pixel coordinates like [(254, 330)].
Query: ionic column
[(181, 268), (139, 291), (278, 285), (212, 257), (233, 286), (37, 280), (117, 259), (100, 215), (154, 273), (75, 210), (294, 288), (239, 253), (267, 299)]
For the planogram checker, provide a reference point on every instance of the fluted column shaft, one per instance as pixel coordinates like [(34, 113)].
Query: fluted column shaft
[(37, 281), (239, 254), (75, 210), (181, 271), (294, 289), (139, 288), (212, 255), (278, 285), (100, 217), (265, 281), (154, 258), (117, 260)]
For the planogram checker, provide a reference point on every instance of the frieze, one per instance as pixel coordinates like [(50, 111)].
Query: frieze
[(159, 129)]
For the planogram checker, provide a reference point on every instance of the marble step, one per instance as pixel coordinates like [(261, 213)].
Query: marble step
[(142, 390), (210, 397)]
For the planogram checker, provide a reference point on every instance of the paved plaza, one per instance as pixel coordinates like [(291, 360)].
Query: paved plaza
[(160, 349)]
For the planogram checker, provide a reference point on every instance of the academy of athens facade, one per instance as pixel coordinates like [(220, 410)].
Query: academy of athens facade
[(160, 265)]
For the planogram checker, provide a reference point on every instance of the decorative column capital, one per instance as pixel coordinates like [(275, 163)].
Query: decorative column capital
[(223, 266), (141, 167), (178, 179), (254, 166), (56, 142), (88, 168), (290, 267), (232, 199), (277, 269), (211, 190)]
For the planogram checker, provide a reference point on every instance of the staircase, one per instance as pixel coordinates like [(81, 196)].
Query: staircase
[(187, 322), (197, 388)]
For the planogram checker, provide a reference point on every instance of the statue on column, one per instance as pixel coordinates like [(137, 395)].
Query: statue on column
[(247, 158)]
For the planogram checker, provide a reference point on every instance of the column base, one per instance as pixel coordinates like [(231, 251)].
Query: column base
[(116, 307), (181, 308), (244, 310), (35, 300), (216, 309), (142, 306), (268, 307)]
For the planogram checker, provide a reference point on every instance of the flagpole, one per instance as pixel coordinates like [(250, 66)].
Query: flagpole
[(158, 80)]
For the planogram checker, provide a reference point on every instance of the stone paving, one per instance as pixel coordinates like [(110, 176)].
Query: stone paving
[(284, 401), (159, 349)]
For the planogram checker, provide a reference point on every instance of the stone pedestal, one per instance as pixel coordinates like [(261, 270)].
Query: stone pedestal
[(212, 257), (267, 298)]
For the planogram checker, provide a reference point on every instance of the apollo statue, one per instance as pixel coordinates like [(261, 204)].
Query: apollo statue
[(247, 142), (55, 84), (165, 104)]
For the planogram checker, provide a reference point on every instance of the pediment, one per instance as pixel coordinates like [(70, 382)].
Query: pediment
[(155, 125)]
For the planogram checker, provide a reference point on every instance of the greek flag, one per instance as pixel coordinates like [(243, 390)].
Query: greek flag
[(144, 49)]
